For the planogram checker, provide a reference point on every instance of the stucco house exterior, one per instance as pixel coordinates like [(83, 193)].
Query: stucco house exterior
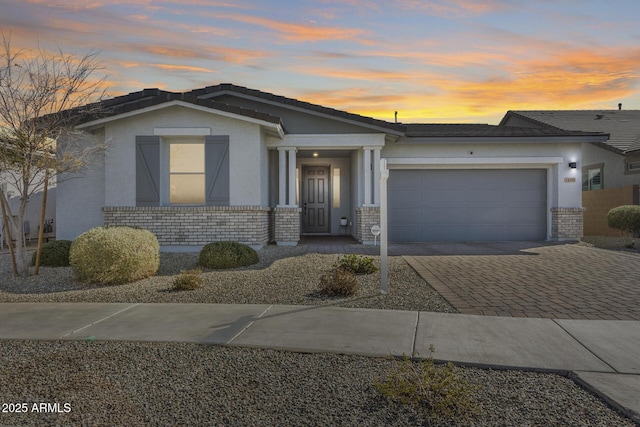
[(230, 163), (610, 169)]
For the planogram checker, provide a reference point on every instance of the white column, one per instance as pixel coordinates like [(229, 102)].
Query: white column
[(366, 164), (376, 176), (282, 183), (292, 177)]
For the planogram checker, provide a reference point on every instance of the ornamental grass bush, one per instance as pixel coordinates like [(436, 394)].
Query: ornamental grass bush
[(357, 264), (338, 282), (188, 280), (440, 389), (114, 255), (625, 218), (223, 255), (54, 254)]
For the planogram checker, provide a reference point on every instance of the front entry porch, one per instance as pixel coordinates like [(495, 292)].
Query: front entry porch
[(325, 189)]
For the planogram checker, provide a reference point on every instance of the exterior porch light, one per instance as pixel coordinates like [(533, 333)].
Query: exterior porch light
[(573, 165), (315, 154)]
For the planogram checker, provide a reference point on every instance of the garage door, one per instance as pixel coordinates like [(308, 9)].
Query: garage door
[(467, 205)]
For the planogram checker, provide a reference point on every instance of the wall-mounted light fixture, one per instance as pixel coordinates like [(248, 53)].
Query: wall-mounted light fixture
[(315, 154), (573, 165)]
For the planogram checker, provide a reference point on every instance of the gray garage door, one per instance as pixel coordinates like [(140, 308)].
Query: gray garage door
[(467, 205)]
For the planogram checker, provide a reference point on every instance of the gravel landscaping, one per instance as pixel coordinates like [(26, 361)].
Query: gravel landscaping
[(283, 276), (127, 383), (163, 384)]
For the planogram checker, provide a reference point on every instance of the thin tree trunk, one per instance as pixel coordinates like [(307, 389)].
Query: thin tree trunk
[(7, 229), (42, 215)]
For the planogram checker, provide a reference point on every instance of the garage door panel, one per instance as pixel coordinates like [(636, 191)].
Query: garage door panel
[(442, 216), (484, 197), (528, 196), (467, 205), (404, 198), (407, 216), (479, 216)]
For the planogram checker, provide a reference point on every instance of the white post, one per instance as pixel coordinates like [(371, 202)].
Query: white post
[(292, 177), (384, 276), (282, 177), (376, 176), (367, 176)]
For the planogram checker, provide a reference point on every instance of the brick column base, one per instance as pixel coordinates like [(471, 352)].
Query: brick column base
[(365, 218), (287, 226), (567, 223)]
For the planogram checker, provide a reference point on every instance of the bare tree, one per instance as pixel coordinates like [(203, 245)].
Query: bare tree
[(41, 98)]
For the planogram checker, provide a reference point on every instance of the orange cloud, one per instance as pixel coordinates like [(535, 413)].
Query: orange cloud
[(300, 32), (172, 67)]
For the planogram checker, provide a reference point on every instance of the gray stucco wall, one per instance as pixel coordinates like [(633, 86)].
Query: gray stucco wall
[(614, 166)]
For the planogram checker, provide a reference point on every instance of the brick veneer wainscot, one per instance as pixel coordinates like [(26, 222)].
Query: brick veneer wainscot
[(197, 225)]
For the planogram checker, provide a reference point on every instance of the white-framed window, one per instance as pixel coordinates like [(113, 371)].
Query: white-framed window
[(592, 177), (632, 165)]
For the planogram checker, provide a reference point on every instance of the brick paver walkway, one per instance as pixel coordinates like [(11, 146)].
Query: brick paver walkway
[(560, 282)]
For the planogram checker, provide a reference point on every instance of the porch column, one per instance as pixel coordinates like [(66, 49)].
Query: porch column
[(376, 177), (292, 177), (367, 176), (282, 183)]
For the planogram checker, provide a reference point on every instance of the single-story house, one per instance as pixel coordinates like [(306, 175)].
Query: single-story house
[(610, 169), (230, 163)]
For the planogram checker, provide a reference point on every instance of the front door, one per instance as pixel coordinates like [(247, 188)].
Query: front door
[(315, 199)]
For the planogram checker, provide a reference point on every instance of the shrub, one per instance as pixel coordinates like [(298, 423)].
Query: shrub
[(114, 255), (222, 255), (357, 264), (625, 218), (338, 282), (439, 389), (54, 254), (188, 280)]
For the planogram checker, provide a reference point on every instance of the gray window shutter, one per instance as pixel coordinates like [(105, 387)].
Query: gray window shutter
[(217, 170), (147, 171)]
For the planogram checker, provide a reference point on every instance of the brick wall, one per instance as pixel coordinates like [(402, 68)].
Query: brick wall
[(365, 218), (287, 225), (567, 223), (196, 226), (599, 202)]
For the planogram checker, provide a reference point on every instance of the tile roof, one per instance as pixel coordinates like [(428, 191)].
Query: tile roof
[(623, 126), (483, 130), (206, 97), (151, 97), (224, 88)]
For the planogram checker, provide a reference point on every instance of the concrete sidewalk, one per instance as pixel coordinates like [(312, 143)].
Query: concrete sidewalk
[(602, 355)]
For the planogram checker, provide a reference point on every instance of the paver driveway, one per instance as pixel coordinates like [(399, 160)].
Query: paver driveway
[(565, 281)]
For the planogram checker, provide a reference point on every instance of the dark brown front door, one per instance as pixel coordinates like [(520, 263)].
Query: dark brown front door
[(315, 199)]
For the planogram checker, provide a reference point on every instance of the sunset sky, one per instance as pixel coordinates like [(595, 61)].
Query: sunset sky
[(432, 61)]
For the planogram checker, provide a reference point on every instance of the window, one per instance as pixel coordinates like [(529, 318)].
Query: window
[(336, 187), (186, 173), (592, 178), (190, 171), (632, 165)]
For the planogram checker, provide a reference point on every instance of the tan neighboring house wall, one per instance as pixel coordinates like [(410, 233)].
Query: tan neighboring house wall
[(599, 202)]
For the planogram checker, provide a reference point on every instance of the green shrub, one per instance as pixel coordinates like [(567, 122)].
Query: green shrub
[(439, 389), (338, 282), (625, 218), (114, 255), (54, 254), (222, 255), (188, 280), (357, 264)]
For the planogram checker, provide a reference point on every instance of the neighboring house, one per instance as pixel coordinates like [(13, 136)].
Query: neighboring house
[(31, 223), (230, 163), (610, 169)]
